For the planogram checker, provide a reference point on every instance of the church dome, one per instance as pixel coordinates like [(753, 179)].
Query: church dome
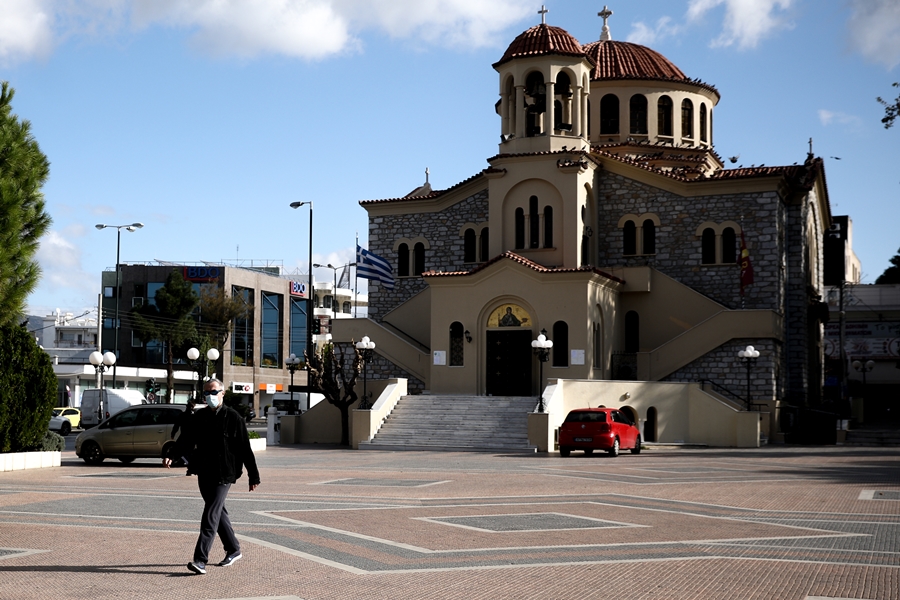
[(542, 40), (624, 60)]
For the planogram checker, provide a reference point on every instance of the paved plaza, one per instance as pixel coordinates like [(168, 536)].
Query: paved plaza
[(785, 523)]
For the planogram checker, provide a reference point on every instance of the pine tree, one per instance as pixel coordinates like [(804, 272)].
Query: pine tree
[(23, 171), (892, 273)]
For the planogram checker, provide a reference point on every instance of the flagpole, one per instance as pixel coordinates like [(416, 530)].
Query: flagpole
[(741, 269), (356, 281)]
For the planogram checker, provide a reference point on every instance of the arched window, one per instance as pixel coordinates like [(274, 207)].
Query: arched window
[(457, 348), (632, 332), (609, 115), (419, 258), (520, 228), (702, 122), (629, 238), (403, 261), (562, 108), (708, 243), (485, 250), (534, 223), (687, 118), (729, 246), (664, 116), (649, 231), (638, 114), (548, 227), (560, 344), (469, 246), (536, 103)]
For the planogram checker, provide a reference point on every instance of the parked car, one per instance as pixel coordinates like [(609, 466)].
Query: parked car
[(60, 425), (592, 429), (72, 414), (138, 432)]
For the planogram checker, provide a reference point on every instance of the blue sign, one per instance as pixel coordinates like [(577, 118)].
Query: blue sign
[(201, 273)]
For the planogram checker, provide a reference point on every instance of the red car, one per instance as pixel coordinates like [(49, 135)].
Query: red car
[(592, 429)]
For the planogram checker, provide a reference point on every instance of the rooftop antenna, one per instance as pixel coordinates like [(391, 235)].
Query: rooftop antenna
[(605, 14), (543, 12)]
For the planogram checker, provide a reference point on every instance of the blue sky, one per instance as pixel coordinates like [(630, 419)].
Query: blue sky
[(204, 120)]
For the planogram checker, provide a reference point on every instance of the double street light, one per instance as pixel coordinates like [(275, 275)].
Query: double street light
[(541, 348), (366, 347), (193, 356), (118, 291), (101, 362), (748, 356), (292, 362)]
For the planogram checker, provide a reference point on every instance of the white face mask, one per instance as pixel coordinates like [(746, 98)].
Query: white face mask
[(212, 401)]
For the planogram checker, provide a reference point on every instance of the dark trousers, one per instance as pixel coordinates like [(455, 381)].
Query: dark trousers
[(214, 520)]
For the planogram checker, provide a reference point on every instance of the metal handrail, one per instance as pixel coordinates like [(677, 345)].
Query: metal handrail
[(719, 386)]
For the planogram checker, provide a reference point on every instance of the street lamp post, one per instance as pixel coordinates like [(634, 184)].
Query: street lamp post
[(101, 363), (133, 227), (748, 356), (542, 350), (292, 362), (365, 347), (863, 367), (193, 356), (310, 293)]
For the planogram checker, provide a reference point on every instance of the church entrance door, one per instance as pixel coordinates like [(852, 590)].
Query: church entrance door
[(509, 363)]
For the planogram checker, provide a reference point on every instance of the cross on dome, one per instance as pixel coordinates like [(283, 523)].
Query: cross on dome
[(605, 14), (543, 12)]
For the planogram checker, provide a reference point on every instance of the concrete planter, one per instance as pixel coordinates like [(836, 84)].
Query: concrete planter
[(258, 445), (17, 461)]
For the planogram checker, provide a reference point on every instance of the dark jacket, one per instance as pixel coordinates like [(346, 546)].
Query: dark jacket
[(216, 445)]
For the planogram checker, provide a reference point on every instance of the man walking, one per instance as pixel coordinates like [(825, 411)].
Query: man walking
[(216, 447)]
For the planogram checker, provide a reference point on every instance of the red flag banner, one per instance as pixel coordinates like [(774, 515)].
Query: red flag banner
[(746, 267)]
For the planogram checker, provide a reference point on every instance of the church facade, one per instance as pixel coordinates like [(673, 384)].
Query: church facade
[(607, 221)]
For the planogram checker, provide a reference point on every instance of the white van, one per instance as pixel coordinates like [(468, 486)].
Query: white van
[(92, 413)]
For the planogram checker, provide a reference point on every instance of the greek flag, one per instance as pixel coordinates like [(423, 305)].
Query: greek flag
[(372, 266)]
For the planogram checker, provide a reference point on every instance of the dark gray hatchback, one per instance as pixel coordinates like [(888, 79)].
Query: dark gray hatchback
[(138, 432)]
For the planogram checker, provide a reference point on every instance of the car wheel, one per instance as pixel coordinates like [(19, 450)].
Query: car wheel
[(127, 459), (637, 446), (66, 429), (92, 454), (563, 451), (588, 451), (614, 451)]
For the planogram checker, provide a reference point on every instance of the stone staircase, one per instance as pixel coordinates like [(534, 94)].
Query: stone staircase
[(873, 437), (460, 423)]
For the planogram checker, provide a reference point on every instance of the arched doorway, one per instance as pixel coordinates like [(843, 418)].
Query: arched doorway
[(650, 425), (508, 356)]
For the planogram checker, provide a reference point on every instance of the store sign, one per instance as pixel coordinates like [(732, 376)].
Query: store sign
[(863, 340), (298, 288), (242, 388), (201, 273)]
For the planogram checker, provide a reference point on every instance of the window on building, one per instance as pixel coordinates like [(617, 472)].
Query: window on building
[(609, 115), (346, 308), (632, 332), (327, 300), (648, 229), (419, 258), (270, 341), (534, 223), (629, 238), (638, 114), (703, 122), (403, 260), (242, 330), (687, 118), (729, 246), (109, 291), (598, 346), (664, 116), (708, 246), (560, 344), (469, 246), (548, 227), (457, 345), (299, 323), (485, 242), (520, 228), (135, 340)]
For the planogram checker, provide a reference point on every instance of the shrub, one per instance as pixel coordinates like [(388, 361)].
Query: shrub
[(52, 442), (253, 435), (27, 390)]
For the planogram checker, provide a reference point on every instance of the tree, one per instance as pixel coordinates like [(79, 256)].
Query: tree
[(892, 273), (217, 311), (169, 320), (334, 376), (27, 390), (23, 171), (891, 109)]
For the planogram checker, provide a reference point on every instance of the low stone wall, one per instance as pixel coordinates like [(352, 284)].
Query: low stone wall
[(17, 461)]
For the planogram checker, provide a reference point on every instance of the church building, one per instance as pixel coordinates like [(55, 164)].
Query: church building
[(607, 222)]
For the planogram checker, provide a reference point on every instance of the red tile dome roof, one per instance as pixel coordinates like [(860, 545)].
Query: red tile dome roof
[(542, 40), (624, 60)]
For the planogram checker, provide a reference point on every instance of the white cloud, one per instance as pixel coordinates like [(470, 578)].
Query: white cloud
[(747, 22), (828, 117), (60, 262), (642, 34), (306, 29), (874, 30)]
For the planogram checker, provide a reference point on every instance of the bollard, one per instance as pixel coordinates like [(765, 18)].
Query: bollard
[(273, 427)]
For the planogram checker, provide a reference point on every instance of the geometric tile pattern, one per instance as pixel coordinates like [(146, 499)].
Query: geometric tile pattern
[(383, 482), (525, 522)]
